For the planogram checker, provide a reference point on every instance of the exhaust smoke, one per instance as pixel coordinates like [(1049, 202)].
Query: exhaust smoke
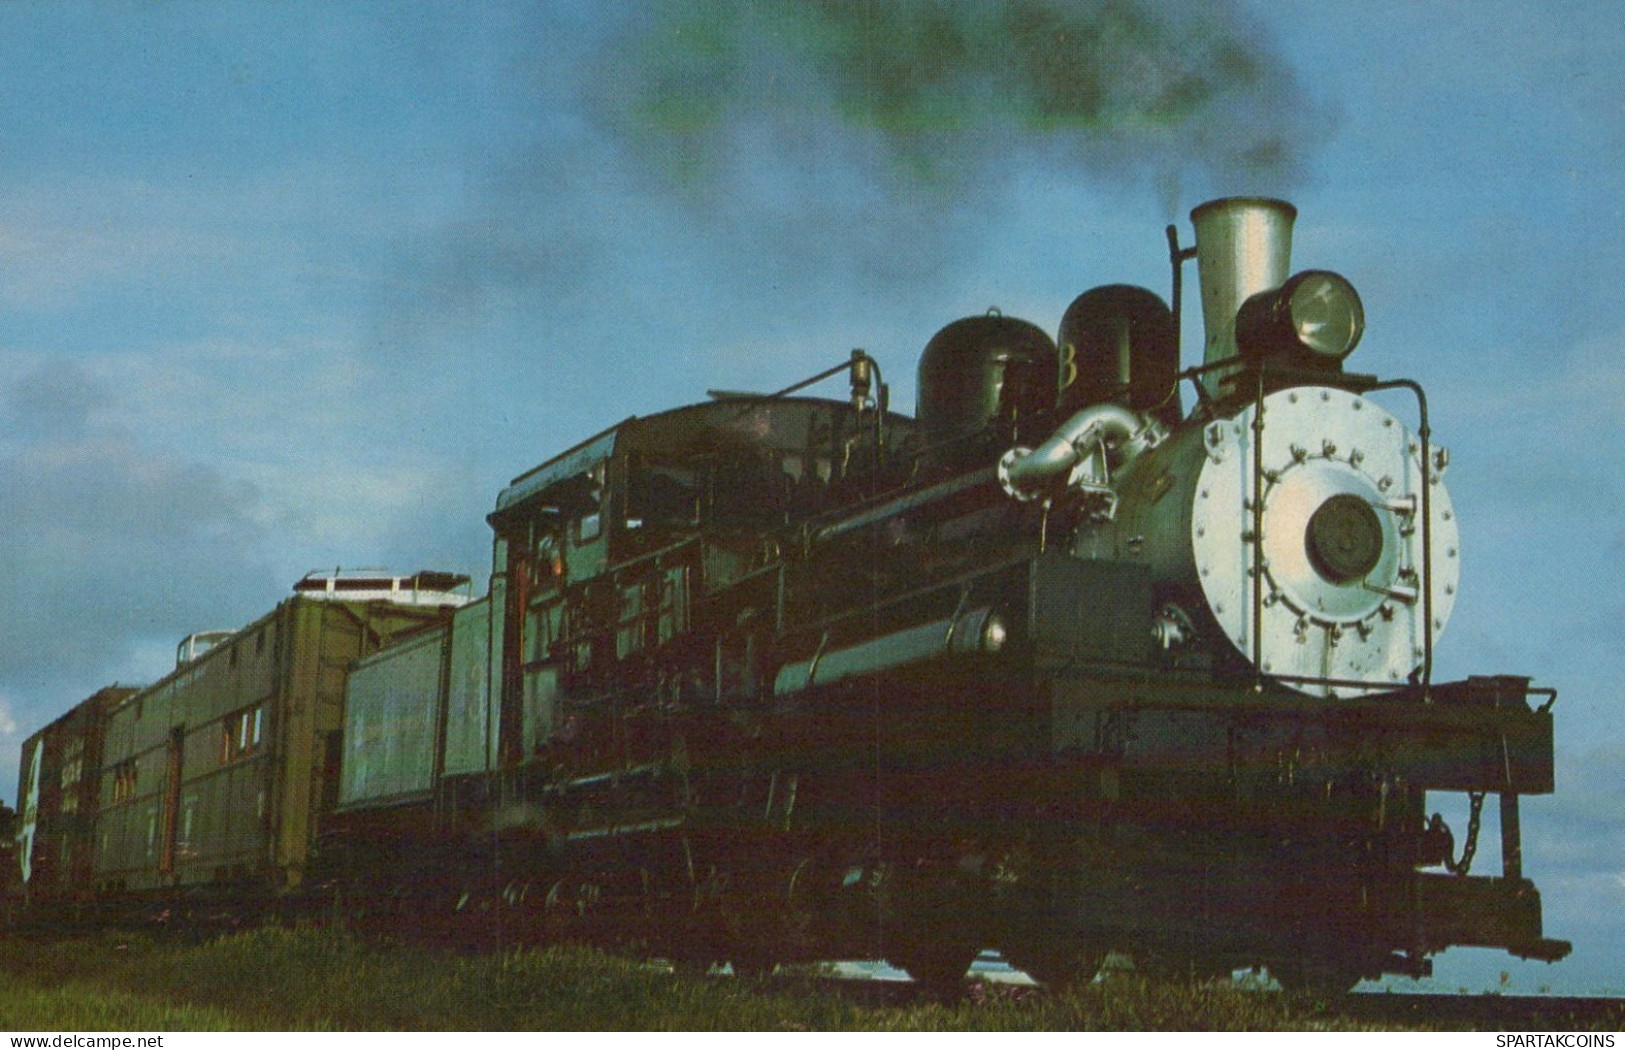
[(945, 96)]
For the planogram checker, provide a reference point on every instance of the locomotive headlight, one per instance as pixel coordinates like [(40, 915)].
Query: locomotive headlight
[(1315, 317)]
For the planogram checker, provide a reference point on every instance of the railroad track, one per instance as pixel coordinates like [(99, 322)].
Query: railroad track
[(1497, 1013), (876, 985)]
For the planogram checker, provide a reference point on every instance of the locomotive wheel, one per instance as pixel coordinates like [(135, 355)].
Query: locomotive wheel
[(513, 915), (752, 962), (1180, 967), (695, 940), (751, 950), (465, 924), (571, 907), (936, 964), (935, 940), (1036, 937), (1325, 962), (775, 924), (1057, 965), (934, 934), (1187, 958), (1317, 977), (748, 925)]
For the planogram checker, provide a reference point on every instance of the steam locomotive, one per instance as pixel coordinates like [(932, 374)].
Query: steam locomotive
[(1056, 667)]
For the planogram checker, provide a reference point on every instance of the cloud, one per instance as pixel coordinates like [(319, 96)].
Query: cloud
[(150, 494), (1580, 830), (66, 239), (104, 543), (48, 404)]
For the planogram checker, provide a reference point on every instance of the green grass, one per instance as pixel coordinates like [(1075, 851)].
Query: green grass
[(88, 1008), (305, 979)]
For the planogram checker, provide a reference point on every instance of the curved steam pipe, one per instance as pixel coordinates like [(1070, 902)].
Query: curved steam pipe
[(1029, 474)]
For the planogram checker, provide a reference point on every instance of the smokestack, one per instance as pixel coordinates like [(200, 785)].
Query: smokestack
[(1243, 247)]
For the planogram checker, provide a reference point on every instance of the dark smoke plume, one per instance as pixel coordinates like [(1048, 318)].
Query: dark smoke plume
[(943, 96), (716, 155)]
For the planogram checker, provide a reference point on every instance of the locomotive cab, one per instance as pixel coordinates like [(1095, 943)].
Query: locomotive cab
[(625, 556)]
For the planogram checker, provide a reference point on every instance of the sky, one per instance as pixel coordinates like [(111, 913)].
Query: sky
[(297, 285)]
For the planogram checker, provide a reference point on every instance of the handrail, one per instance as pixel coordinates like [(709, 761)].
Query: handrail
[(1366, 385), (1425, 433), (860, 365)]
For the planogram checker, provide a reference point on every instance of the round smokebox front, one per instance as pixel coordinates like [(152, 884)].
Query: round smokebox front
[(1323, 576)]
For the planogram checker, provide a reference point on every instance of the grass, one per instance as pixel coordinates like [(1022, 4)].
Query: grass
[(87, 1008), (326, 979)]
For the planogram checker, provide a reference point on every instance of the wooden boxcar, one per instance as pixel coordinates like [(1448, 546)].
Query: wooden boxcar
[(60, 792), (215, 777)]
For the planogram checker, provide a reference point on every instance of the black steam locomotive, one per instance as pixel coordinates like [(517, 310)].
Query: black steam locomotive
[(1056, 667)]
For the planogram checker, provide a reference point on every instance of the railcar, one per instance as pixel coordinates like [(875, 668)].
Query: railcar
[(59, 797), (204, 790), (1058, 666)]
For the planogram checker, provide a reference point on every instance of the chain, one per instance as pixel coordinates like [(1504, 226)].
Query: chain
[(1471, 846)]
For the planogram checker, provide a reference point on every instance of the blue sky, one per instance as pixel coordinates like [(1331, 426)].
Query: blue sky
[(294, 285)]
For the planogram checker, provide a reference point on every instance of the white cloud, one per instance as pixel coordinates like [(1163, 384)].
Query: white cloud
[(8, 723)]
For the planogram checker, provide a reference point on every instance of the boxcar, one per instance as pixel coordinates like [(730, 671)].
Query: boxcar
[(60, 792), (215, 777)]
